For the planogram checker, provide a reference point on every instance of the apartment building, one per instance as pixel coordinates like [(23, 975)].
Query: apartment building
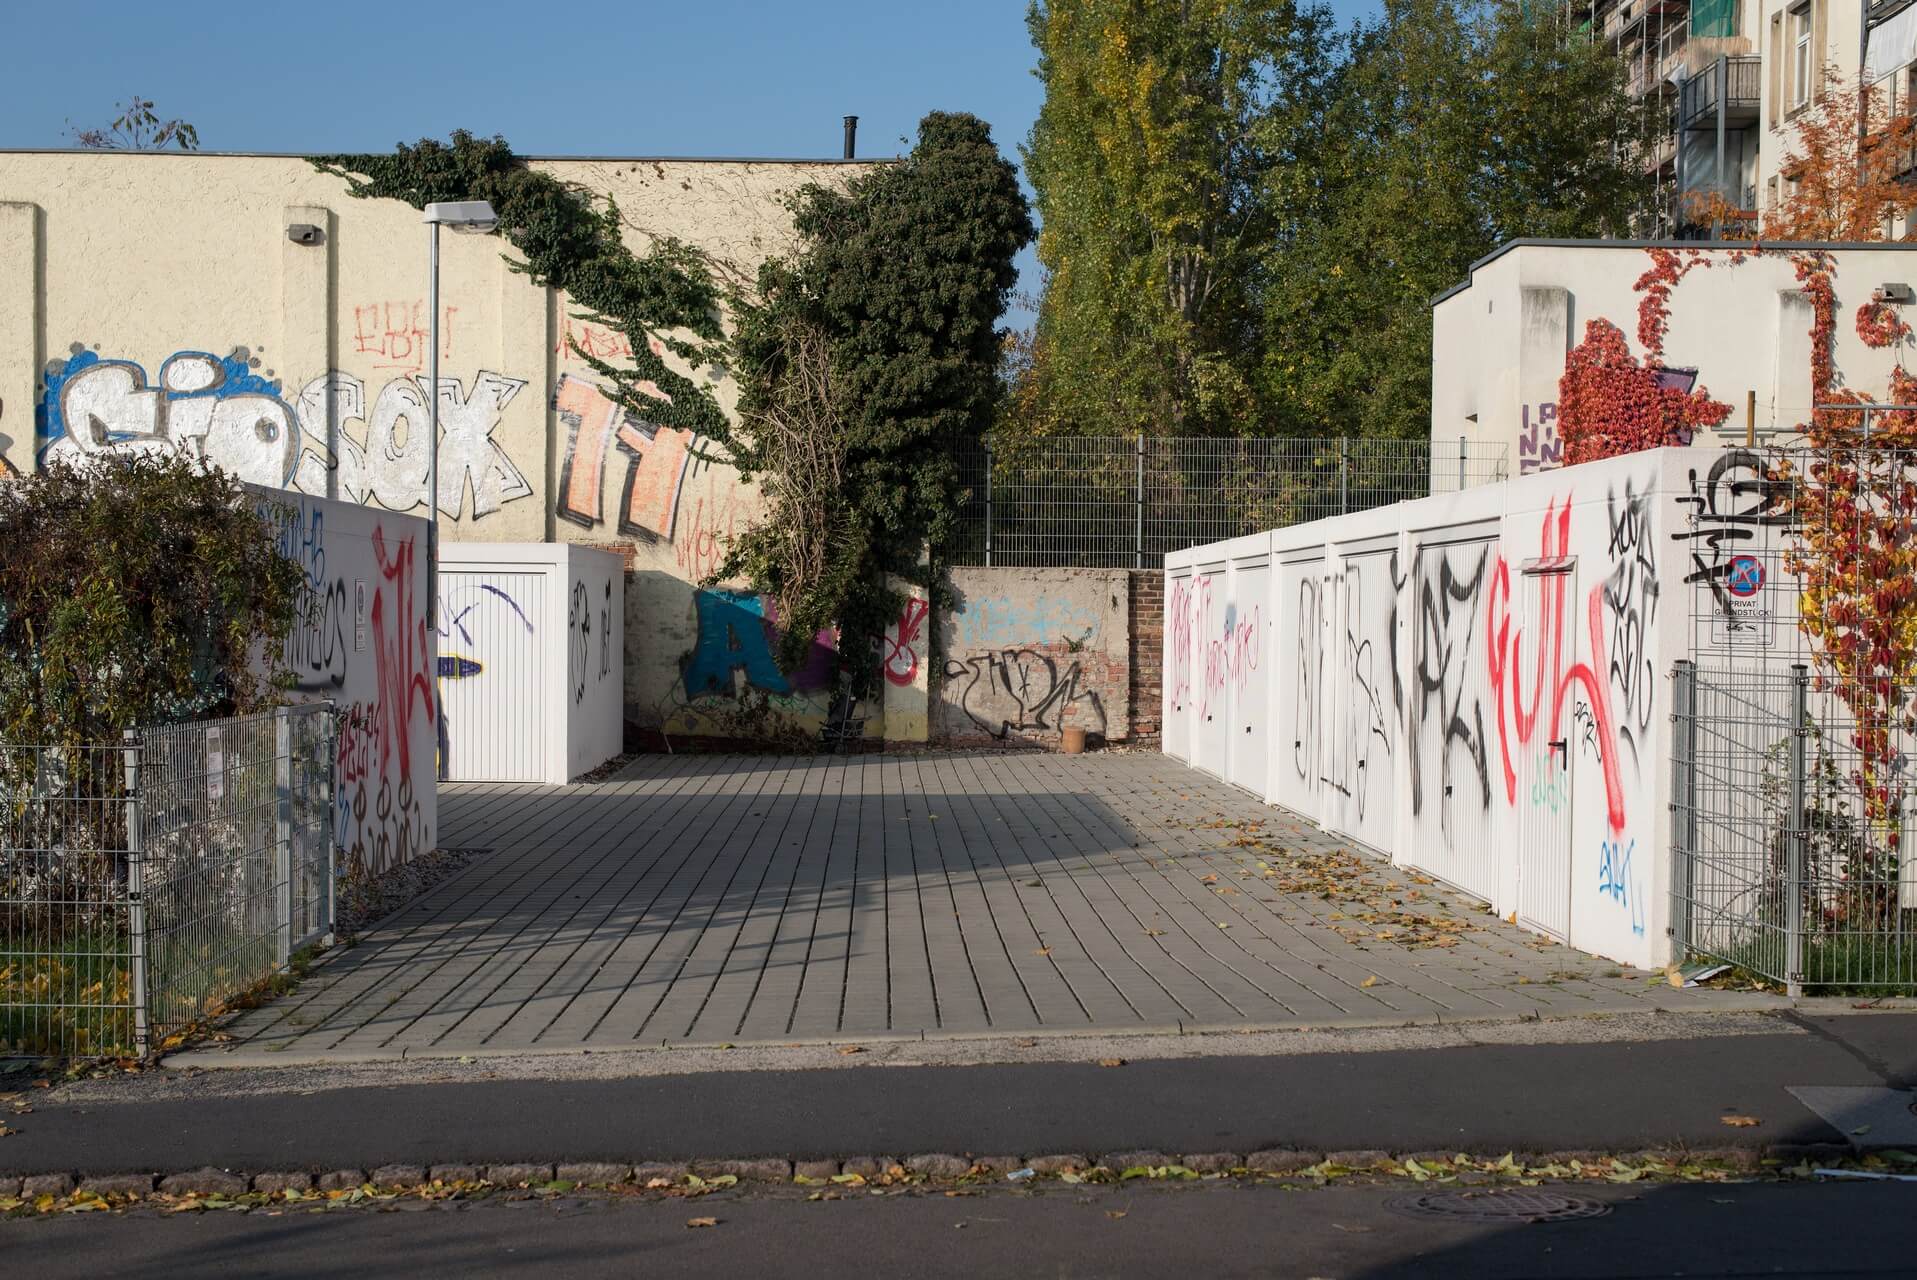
[(1732, 78)]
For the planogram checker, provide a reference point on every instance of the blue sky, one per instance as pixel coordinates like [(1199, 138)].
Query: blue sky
[(624, 77)]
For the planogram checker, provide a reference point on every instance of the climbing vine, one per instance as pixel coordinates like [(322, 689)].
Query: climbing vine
[(1608, 402), (663, 300)]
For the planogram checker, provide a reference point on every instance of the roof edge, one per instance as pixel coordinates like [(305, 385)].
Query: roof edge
[(311, 155), (1716, 246)]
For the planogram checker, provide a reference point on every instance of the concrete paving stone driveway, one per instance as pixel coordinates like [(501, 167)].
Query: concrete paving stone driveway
[(712, 899)]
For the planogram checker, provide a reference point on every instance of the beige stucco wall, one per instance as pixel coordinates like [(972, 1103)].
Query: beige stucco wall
[(157, 302)]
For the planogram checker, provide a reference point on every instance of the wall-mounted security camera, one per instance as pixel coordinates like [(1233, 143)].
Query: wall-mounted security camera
[(1898, 293), (304, 233)]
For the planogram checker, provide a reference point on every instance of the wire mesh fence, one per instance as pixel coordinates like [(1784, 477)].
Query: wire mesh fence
[(1118, 502), (143, 886), (1789, 839)]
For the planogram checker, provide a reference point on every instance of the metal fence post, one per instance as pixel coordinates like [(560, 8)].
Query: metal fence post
[(988, 504), (1138, 535), (1461, 455), (1344, 475), (136, 894), (1683, 803), (1797, 838), (283, 834)]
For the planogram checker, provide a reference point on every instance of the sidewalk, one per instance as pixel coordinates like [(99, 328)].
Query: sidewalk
[(1653, 1081)]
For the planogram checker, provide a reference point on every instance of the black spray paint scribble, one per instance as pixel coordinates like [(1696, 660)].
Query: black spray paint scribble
[(1311, 662), (1366, 747), (1444, 654), (579, 622), (1630, 603), (1737, 497), (1021, 689)]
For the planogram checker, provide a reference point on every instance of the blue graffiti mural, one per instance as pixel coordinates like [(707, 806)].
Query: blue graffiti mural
[(738, 633), (1616, 882)]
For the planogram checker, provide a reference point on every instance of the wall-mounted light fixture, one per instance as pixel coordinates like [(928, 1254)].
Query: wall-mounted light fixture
[(305, 233), (1898, 293)]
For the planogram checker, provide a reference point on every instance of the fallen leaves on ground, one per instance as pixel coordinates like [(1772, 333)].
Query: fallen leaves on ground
[(847, 1050), (1740, 1122), (1111, 1062), (702, 1222), (1366, 891)]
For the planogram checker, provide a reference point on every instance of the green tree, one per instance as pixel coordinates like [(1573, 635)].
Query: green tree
[(136, 590), (1161, 124), (864, 359), (1452, 127)]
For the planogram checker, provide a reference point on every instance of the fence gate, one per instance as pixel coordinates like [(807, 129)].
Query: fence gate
[(1544, 773)]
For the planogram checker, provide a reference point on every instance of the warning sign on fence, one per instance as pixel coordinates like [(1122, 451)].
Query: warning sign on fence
[(1743, 615)]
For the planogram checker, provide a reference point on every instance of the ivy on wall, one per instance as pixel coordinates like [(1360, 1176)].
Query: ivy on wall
[(663, 300)]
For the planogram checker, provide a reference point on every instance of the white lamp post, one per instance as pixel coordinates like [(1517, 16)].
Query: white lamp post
[(469, 217)]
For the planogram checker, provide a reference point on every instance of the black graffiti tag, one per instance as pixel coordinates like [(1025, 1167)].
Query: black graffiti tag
[(1448, 619)]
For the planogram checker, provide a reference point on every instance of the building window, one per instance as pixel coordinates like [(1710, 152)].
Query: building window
[(1800, 56)]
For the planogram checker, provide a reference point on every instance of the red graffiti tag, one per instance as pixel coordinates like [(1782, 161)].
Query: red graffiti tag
[(1549, 670), (401, 655), (901, 649)]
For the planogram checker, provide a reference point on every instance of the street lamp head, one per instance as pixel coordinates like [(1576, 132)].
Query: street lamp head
[(471, 216)]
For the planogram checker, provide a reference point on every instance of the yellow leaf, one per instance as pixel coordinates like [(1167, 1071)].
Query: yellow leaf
[(702, 1222), (1111, 1062), (1740, 1122), (1372, 981)]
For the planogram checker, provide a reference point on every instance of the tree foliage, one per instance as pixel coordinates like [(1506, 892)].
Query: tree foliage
[(864, 359), (664, 299), (1149, 156), (138, 128), (137, 590), (1320, 187)]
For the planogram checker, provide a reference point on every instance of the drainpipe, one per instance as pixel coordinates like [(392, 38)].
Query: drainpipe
[(851, 137)]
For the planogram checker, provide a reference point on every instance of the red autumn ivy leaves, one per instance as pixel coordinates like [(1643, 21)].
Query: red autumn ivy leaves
[(1608, 402)]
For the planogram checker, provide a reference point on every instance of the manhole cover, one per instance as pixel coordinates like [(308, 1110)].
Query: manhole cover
[(1510, 1204)]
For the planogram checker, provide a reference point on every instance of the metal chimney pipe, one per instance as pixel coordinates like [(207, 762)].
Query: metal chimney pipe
[(851, 137)]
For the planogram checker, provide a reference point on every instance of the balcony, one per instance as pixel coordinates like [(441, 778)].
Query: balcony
[(1739, 80)]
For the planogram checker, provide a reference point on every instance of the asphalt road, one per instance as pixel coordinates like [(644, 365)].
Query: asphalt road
[(1211, 1231), (1483, 1098)]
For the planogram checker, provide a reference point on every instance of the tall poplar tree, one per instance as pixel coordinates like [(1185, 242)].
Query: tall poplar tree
[(1148, 170)]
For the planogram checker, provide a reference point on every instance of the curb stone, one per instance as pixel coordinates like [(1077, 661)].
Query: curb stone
[(204, 1182), (997, 1165), (1119, 1161), (1214, 1162), (1067, 1163), (1365, 1158), (400, 1175), (821, 1170), (342, 1179), (592, 1175), (745, 1170), (456, 1173), (47, 1184), (938, 1165), (670, 1172), (9, 1187), (518, 1175), (869, 1166), (1279, 1161), (272, 1183)]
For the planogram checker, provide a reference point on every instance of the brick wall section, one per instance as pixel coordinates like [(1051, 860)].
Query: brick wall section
[(1147, 652)]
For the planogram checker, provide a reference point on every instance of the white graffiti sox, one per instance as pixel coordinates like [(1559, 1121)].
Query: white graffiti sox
[(242, 425)]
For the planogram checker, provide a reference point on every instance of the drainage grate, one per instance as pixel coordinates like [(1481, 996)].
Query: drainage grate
[(1510, 1204)]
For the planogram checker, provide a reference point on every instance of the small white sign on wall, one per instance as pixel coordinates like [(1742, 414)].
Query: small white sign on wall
[(215, 766), (359, 615)]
